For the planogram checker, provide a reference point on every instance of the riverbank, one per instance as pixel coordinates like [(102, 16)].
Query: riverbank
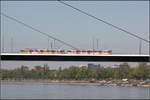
[(72, 82), (48, 82)]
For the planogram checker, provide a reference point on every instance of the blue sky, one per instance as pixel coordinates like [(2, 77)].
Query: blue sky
[(75, 28)]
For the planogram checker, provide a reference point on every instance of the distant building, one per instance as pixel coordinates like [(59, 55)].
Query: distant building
[(38, 67), (82, 65), (93, 66), (25, 68)]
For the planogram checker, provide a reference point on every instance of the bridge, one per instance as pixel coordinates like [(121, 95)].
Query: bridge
[(75, 57)]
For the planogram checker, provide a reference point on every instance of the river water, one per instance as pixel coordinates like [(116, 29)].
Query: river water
[(46, 91)]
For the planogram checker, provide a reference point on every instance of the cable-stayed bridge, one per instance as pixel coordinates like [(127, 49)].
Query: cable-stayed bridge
[(74, 57)]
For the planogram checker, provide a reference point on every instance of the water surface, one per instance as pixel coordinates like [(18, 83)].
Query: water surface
[(48, 91)]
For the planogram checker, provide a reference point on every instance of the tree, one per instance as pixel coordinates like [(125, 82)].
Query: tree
[(83, 72), (124, 70), (142, 71), (110, 72), (100, 73)]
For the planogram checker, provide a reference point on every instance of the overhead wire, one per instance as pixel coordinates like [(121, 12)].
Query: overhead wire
[(46, 34), (90, 15)]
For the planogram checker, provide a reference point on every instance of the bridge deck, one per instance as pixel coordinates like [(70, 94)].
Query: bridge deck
[(75, 57)]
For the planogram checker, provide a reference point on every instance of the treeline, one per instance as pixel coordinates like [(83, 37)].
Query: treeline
[(124, 70)]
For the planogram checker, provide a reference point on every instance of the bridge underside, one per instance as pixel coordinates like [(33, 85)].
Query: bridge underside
[(75, 58)]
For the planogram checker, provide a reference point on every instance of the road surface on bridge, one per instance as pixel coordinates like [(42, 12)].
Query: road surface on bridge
[(75, 57)]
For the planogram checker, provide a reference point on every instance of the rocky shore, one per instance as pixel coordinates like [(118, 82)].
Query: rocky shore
[(78, 82)]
